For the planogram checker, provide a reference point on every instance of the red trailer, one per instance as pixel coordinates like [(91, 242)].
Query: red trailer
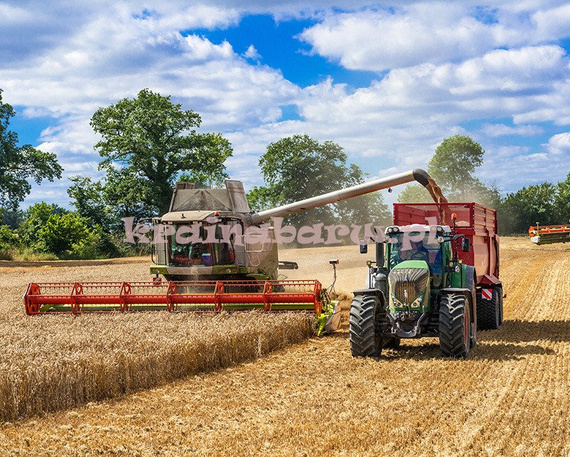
[(479, 224)]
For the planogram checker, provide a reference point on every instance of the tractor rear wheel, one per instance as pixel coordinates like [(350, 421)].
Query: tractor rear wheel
[(454, 326), (365, 337)]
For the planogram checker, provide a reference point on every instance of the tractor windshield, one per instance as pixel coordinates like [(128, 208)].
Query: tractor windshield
[(414, 246)]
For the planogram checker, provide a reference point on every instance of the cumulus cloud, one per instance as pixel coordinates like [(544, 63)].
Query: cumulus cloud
[(430, 32), (498, 130), (252, 53), (498, 84), (560, 144)]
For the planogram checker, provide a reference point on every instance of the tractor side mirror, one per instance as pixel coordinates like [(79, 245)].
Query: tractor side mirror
[(363, 247), (465, 245)]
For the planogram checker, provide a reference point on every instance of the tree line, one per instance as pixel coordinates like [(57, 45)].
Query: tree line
[(148, 143)]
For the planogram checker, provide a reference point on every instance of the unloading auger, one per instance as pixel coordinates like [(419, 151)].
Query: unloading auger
[(210, 261)]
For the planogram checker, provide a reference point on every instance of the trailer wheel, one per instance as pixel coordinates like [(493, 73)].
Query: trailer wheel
[(499, 290), (365, 338), (489, 311), (454, 325)]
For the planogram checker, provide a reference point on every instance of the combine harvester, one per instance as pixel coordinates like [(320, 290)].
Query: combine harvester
[(548, 234), (221, 269)]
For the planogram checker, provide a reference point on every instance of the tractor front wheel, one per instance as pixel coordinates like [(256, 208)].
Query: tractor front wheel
[(454, 326), (365, 338)]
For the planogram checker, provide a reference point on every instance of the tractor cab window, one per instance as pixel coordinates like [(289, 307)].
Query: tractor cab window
[(410, 246)]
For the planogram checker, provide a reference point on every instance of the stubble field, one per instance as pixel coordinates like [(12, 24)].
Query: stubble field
[(510, 398)]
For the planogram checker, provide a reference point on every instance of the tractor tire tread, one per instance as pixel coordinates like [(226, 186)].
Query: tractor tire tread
[(488, 312), (451, 326), (364, 341)]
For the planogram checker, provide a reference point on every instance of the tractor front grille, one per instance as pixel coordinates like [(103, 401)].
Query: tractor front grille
[(410, 280)]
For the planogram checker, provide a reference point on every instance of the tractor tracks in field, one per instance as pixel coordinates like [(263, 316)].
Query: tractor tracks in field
[(530, 412)]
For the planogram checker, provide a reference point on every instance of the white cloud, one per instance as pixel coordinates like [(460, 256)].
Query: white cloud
[(497, 130), (560, 144), (498, 84), (552, 23), (513, 167), (430, 32), (252, 53)]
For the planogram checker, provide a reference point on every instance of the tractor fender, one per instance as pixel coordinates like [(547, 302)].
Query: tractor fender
[(457, 290), (368, 291)]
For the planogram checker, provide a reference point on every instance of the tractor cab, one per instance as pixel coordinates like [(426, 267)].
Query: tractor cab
[(423, 243)]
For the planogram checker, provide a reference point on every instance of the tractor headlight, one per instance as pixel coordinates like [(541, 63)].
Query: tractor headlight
[(417, 303), (396, 303)]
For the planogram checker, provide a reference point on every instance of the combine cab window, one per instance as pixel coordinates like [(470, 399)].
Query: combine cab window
[(200, 254)]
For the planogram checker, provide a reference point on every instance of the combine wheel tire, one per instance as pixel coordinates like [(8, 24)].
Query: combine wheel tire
[(364, 338), (454, 326), (489, 311)]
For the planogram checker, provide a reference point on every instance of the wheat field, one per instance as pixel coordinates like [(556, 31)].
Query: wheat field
[(510, 398), (49, 363)]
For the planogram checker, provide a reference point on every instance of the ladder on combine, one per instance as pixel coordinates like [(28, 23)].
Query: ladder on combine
[(548, 234), (202, 296)]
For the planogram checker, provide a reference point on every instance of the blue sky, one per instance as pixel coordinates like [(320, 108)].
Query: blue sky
[(386, 80)]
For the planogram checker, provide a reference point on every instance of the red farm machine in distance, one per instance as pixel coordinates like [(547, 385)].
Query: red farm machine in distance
[(549, 234)]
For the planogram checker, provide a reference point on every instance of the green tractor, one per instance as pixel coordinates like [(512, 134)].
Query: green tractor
[(417, 287)]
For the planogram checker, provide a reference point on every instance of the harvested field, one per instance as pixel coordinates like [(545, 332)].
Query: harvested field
[(510, 398)]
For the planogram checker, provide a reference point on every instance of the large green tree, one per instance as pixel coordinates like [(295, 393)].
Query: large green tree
[(299, 167), (452, 166), (19, 164), (149, 142)]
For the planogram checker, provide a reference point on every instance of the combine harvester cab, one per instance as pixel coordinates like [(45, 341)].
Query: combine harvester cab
[(215, 254), (436, 274), (549, 234)]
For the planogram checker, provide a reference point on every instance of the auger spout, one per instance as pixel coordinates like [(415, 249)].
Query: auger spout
[(417, 174)]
